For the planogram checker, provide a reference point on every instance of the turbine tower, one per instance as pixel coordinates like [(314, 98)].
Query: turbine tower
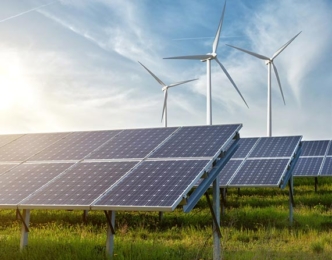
[(268, 62), (207, 58), (165, 89)]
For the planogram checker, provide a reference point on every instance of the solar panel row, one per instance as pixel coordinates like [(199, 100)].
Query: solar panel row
[(260, 162), (315, 159), (83, 170)]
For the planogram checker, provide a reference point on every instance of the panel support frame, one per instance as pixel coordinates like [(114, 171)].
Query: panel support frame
[(206, 183), (291, 201), (110, 216), (25, 218)]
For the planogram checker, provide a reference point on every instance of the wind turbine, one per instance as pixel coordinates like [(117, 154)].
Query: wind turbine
[(207, 58), (165, 89), (268, 62)]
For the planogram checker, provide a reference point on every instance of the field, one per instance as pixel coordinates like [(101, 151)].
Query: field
[(255, 226)]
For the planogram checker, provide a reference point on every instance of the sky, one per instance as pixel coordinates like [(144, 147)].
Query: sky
[(72, 65)]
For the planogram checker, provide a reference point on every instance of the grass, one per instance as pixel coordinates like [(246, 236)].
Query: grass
[(255, 226)]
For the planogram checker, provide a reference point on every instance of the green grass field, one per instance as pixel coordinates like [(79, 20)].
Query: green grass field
[(255, 226)]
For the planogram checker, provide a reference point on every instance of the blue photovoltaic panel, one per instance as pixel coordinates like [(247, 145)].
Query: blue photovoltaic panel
[(6, 139), (244, 146), (329, 152), (275, 147), (81, 184), (228, 171), (314, 148), (28, 145), (327, 168), (201, 141), (261, 172), (307, 166), (23, 180), (155, 184), (75, 146), (134, 143)]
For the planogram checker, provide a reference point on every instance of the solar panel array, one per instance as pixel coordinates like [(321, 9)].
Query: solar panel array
[(260, 162), (132, 169), (315, 159)]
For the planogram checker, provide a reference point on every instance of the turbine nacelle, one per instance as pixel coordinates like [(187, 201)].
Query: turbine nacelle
[(268, 62)]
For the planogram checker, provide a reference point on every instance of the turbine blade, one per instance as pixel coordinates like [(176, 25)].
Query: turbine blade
[(251, 53), (216, 39), (191, 57), (156, 78), (278, 79), (231, 80), (284, 46), (179, 83), (165, 104)]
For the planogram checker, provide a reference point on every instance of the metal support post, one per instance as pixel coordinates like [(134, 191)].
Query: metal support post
[(316, 183), (216, 222), (161, 215), (85, 215), (291, 200), (110, 216), (25, 227)]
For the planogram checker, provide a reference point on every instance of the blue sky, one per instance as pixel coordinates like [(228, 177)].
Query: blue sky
[(72, 65)]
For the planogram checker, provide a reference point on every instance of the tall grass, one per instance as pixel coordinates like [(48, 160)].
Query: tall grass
[(255, 226)]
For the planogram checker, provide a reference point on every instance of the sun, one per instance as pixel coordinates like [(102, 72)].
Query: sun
[(14, 86)]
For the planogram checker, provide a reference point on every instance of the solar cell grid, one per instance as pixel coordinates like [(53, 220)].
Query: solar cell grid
[(75, 146), (261, 172), (275, 147), (6, 139), (327, 168), (203, 141), (314, 148), (308, 166), (133, 143), (228, 171), (6, 167), (329, 152), (244, 146), (28, 145), (80, 185), (155, 184), (23, 180)]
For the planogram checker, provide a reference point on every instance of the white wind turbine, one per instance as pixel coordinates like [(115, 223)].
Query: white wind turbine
[(207, 58), (165, 89), (268, 62)]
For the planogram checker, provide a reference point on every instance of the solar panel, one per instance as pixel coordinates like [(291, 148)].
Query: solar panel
[(228, 171), (23, 180), (327, 168), (28, 145), (261, 172), (261, 161), (133, 143), (245, 145), (329, 152), (112, 168), (75, 146), (308, 166), (203, 141), (314, 148), (155, 184), (6, 167), (275, 147), (6, 139), (81, 184)]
